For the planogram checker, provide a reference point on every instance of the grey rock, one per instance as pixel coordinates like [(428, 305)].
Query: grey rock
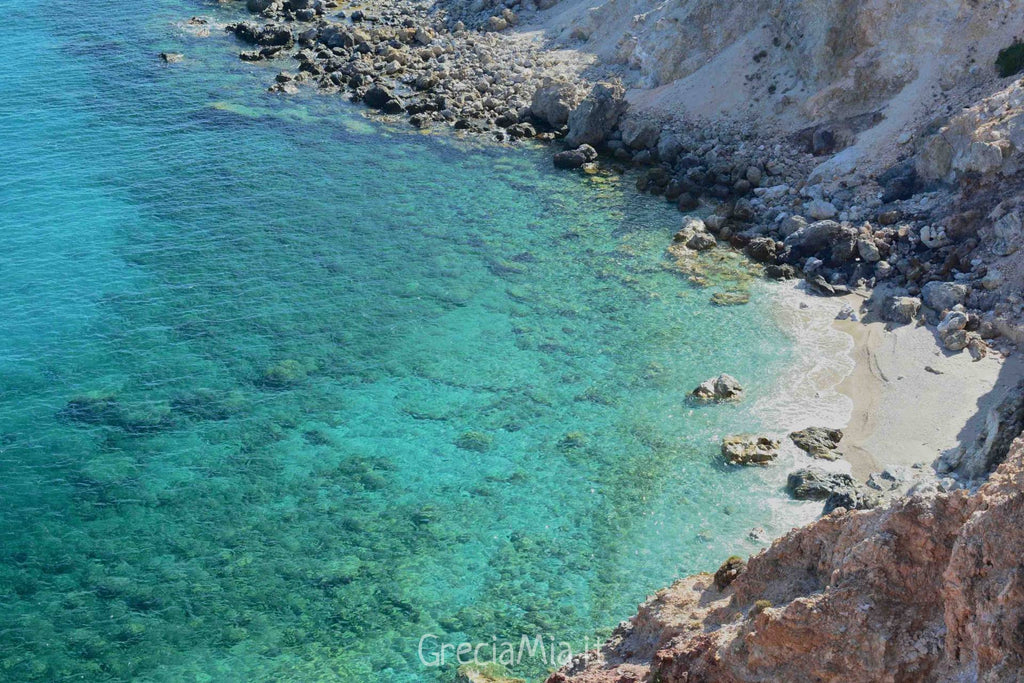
[(816, 284), (901, 309), (553, 101), (259, 6), (594, 118), (721, 388), (868, 250), (1009, 233), (669, 147), (818, 442), (702, 241), (818, 236), (851, 498), (957, 341), (819, 209), (815, 484), (575, 158), (953, 322), (792, 224), (942, 296), (639, 133)]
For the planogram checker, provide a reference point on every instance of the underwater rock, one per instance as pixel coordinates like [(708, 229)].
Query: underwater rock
[(750, 449), (572, 440), (105, 410), (208, 404), (721, 388), (284, 374), (474, 441), (730, 298), (93, 409)]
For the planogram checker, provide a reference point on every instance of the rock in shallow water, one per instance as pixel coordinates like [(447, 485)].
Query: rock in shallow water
[(750, 449), (815, 484), (575, 158), (721, 388), (818, 442)]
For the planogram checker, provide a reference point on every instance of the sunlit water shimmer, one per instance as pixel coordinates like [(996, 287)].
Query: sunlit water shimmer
[(284, 389)]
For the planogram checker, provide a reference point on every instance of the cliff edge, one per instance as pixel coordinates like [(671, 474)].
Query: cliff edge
[(931, 588)]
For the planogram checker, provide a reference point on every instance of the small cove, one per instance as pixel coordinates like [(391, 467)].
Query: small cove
[(284, 389)]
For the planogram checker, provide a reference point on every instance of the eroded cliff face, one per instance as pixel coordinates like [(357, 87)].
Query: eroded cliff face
[(812, 59), (931, 588)]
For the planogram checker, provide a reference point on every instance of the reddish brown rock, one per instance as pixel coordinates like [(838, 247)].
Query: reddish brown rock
[(929, 589)]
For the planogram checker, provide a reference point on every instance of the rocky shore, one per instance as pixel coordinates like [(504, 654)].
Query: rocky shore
[(928, 589), (941, 227), (899, 187)]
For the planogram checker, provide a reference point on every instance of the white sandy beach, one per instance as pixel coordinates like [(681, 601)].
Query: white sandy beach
[(912, 399)]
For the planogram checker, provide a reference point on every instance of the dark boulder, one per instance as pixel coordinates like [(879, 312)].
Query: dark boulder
[(729, 572), (817, 284), (687, 202), (851, 498), (246, 31), (780, 272), (815, 484), (575, 158), (377, 97), (762, 249), (819, 442), (275, 36), (899, 182)]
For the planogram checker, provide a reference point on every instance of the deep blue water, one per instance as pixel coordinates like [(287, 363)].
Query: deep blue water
[(284, 389)]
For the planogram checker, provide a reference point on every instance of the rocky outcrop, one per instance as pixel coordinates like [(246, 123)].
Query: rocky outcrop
[(901, 309), (1002, 425), (749, 449), (815, 484), (553, 102), (930, 588), (575, 158), (721, 388), (818, 442), (593, 120)]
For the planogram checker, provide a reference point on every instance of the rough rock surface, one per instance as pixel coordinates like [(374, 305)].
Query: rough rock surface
[(815, 484), (596, 116), (818, 442), (721, 388), (930, 588), (749, 449), (553, 101)]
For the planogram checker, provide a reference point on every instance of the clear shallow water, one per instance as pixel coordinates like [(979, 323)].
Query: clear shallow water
[(283, 390)]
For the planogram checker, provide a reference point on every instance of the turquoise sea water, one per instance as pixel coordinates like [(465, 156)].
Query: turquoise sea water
[(284, 389)]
